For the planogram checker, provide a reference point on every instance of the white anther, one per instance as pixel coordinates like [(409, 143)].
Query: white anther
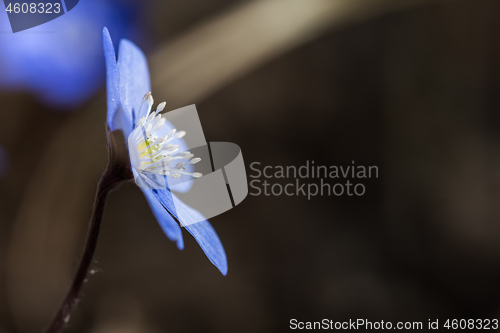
[(160, 107), (195, 160), (159, 124), (171, 133), (180, 134), (141, 122)]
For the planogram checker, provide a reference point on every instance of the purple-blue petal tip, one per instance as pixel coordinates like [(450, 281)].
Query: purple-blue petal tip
[(210, 243), (134, 78), (112, 77), (166, 222)]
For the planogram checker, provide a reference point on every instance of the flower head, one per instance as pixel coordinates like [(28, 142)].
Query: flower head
[(153, 153), (156, 149)]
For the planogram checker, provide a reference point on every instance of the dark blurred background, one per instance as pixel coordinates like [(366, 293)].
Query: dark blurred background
[(413, 90)]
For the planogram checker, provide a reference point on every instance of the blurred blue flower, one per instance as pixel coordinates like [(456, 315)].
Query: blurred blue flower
[(129, 110), (61, 61)]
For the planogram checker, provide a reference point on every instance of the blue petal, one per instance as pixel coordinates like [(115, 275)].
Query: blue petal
[(134, 79), (112, 77), (197, 226), (210, 243), (167, 223)]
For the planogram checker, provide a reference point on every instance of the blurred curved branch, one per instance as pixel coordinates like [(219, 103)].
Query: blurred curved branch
[(208, 57), (188, 69)]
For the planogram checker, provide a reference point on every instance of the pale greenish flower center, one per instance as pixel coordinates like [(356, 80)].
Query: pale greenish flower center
[(151, 153)]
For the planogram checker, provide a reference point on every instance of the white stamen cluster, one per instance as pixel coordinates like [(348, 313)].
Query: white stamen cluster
[(154, 153)]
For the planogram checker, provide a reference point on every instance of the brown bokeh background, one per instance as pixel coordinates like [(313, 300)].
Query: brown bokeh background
[(410, 89)]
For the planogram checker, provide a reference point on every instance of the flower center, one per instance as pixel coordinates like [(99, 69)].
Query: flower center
[(152, 153)]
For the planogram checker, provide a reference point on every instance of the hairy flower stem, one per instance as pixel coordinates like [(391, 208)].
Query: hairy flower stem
[(116, 173)]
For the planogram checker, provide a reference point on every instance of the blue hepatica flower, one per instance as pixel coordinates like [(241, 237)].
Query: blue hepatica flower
[(61, 61), (153, 146)]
